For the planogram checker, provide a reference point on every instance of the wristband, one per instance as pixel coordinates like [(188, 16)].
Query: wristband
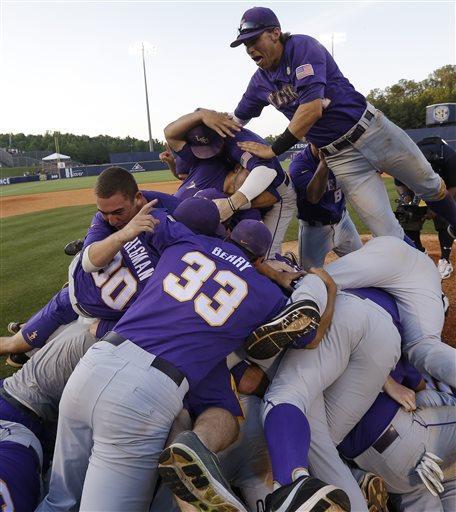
[(230, 202), (284, 142)]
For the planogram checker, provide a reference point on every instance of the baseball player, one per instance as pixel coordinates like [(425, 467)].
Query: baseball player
[(324, 222), (299, 77), (407, 447), (119, 403), (28, 408), (213, 138)]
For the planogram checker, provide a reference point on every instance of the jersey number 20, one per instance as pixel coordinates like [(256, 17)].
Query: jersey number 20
[(227, 301)]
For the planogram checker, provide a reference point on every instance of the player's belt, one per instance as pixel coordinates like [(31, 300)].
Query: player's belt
[(19, 406), (349, 139), (317, 223), (386, 439), (161, 364)]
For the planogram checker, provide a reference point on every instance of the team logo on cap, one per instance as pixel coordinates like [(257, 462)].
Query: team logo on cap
[(203, 140), (32, 335)]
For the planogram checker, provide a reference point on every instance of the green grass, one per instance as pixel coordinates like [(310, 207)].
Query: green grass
[(38, 187), (33, 266)]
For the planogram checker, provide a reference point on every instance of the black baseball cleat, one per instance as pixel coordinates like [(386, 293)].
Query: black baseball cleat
[(374, 490), (307, 494), (72, 248), (17, 360), (193, 474), (452, 231), (14, 327), (294, 321)]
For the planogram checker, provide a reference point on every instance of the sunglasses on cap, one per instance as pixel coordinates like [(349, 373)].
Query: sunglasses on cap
[(248, 26)]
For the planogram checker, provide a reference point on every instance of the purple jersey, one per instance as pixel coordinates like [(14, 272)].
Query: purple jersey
[(202, 301), (101, 229), (108, 293), (58, 311), (306, 72), (380, 414), (20, 477), (330, 208), (228, 158)]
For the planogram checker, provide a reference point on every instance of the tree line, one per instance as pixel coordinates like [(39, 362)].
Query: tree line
[(404, 103)]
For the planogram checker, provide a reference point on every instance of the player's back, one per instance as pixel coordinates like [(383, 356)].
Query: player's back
[(203, 300)]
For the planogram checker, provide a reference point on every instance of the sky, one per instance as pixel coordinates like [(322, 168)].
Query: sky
[(68, 66)]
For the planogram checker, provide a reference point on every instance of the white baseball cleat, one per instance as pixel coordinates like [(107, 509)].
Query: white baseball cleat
[(445, 268)]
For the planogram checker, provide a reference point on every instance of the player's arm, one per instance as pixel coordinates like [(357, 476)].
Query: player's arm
[(251, 104), (236, 179), (99, 254), (176, 132), (280, 277), (317, 185)]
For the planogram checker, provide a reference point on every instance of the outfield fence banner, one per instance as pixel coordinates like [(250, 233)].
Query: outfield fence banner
[(11, 180)]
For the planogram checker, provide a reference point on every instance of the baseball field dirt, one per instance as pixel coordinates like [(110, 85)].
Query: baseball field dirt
[(16, 205)]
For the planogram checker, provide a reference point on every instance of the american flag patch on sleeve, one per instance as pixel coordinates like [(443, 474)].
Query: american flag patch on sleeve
[(304, 70)]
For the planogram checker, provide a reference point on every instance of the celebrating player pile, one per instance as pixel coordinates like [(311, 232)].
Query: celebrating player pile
[(189, 365)]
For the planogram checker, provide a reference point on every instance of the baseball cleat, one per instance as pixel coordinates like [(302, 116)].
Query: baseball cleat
[(307, 494), (17, 360), (293, 260), (72, 248), (452, 231), (14, 327), (193, 474), (374, 490), (294, 321), (445, 268)]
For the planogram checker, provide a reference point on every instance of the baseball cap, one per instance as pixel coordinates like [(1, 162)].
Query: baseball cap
[(211, 193), (204, 142), (199, 215), (253, 23), (253, 235)]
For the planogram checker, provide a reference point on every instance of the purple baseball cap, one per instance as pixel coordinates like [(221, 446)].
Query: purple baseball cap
[(198, 214), (204, 142), (253, 23), (253, 235)]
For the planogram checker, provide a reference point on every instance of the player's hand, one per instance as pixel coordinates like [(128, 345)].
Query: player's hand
[(142, 221), (168, 158), (220, 122), (401, 394), (224, 208), (257, 149)]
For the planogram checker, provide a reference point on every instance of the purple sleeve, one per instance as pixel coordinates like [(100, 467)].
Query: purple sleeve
[(188, 159), (164, 200), (215, 390), (98, 230), (300, 179), (247, 160), (167, 232), (58, 311), (251, 103), (412, 377), (308, 65)]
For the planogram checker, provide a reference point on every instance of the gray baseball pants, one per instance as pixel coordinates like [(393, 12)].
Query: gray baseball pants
[(114, 418), (414, 281), (315, 242), (383, 147)]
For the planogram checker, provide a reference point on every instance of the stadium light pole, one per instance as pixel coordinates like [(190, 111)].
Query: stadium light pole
[(145, 48), (332, 38)]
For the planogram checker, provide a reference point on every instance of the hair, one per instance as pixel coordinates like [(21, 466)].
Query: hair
[(284, 36), (114, 180)]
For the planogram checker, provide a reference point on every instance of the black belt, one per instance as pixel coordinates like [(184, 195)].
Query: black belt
[(161, 364), (352, 138), (386, 439), (319, 223), (17, 405)]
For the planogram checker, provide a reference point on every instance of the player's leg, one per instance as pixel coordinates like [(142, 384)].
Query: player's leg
[(391, 150), (446, 242), (324, 459), (365, 191), (346, 237), (131, 419), (278, 218), (314, 243)]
